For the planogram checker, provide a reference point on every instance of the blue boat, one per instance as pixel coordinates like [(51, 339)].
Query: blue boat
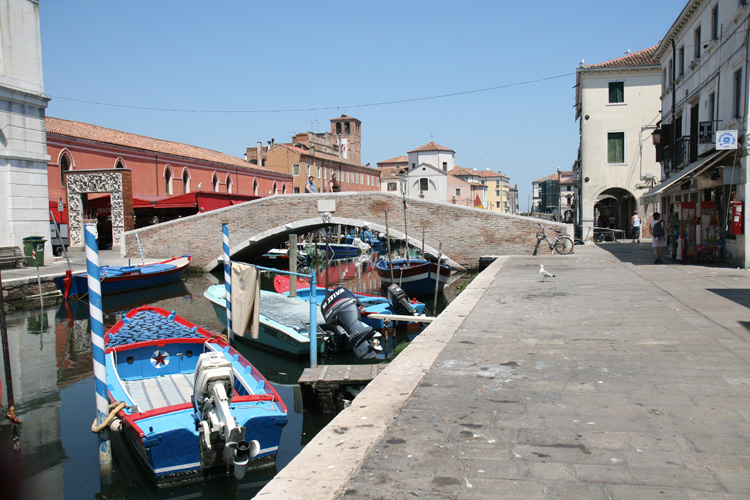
[(193, 406), (116, 279), (337, 250), (283, 321), (415, 276)]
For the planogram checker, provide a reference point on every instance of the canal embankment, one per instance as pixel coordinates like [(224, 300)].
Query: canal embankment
[(617, 378)]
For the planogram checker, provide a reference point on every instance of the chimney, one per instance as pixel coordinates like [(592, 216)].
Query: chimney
[(259, 152)]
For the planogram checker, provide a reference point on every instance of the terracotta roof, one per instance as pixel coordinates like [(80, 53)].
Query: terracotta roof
[(431, 146), (643, 57), (322, 156), (456, 171), (398, 159), (390, 173), (553, 177), (489, 173), (95, 133)]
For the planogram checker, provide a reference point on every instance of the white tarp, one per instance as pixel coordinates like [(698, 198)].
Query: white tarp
[(245, 299)]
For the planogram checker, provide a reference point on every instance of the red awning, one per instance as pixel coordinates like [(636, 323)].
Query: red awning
[(203, 201)]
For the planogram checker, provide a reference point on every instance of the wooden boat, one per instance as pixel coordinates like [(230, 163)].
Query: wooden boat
[(195, 406), (284, 321), (116, 279), (416, 276), (337, 250)]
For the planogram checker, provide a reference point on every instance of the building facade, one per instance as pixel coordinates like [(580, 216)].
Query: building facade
[(23, 151), (704, 187), (618, 107), (321, 155)]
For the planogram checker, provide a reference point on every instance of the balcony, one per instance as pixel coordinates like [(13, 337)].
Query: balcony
[(682, 155)]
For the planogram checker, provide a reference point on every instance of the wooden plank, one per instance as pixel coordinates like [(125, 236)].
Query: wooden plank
[(323, 373), (348, 372)]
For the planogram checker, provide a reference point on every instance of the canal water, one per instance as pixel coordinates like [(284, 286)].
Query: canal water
[(50, 349)]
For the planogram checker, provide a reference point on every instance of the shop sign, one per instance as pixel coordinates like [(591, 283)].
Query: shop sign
[(726, 139)]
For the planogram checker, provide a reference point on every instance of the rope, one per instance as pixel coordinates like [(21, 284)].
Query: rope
[(113, 409)]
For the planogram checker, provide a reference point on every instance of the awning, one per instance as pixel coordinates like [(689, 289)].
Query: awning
[(695, 168)]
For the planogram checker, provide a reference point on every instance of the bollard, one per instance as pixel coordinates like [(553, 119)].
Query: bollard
[(228, 281), (97, 345)]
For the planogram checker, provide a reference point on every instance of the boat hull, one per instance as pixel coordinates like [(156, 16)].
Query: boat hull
[(417, 277)]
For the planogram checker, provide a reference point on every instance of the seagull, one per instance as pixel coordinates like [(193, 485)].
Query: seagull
[(545, 274), (627, 51), (198, 186), (582, 61)]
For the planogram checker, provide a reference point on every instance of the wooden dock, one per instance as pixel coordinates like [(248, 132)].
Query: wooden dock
[(327, 387)]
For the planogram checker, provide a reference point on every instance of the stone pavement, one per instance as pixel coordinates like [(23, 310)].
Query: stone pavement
[(617, 379)]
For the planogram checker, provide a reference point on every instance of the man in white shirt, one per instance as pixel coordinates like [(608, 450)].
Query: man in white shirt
[(635, 224)]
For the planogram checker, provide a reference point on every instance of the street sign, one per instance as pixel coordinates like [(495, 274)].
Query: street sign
[(60, 206), (726, 139)]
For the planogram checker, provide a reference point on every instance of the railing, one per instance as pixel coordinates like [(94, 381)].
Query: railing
[(682, 154)]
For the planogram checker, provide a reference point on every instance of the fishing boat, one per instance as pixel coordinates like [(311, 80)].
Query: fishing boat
[(338, 250), (189, 404), (283, 321), (415, 276), (395, 303), (116, 279)]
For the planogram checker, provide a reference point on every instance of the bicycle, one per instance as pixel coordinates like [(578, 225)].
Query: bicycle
[(562, 244)]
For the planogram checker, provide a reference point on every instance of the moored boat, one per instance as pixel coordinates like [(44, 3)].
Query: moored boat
[(415, 276), (194, 405), (116, 279)]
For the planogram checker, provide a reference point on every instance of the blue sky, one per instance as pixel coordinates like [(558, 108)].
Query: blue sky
[(296, 65)]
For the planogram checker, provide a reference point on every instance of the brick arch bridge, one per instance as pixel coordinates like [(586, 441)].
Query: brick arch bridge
[(259, 225)]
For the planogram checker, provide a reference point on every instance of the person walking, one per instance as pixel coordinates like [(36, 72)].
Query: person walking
[(635, 227), (658, 237), (310, 186), (333, 185)]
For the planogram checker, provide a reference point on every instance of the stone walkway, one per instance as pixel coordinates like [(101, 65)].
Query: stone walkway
[(616, 379)]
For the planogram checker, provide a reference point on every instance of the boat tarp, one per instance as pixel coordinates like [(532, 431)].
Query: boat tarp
[(245, 298)]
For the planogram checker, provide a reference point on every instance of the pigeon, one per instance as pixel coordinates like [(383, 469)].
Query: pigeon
[(545, 274)]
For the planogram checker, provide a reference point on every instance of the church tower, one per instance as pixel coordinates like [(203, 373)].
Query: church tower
[(348, 131)]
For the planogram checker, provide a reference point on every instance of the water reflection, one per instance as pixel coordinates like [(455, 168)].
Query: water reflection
[(50, 350)]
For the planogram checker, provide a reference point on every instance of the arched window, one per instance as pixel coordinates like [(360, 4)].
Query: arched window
[(185, 180), (65, 165), (346, 128), (274, 189), (120, 163), (168, 176), (229, 183), (255, 187), (338, 128), (215, 182), (283, 188)]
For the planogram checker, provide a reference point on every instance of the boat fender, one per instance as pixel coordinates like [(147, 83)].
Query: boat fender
[(115, 426), (113, 409)]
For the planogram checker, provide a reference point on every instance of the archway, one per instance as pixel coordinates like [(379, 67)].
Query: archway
[(613, 209)]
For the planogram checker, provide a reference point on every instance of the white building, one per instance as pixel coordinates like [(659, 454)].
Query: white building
[(422, 174), (24, 199), (704, 74), (617, 103)]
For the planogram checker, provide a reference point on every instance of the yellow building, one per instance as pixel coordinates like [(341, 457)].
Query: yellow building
[(498, 191)]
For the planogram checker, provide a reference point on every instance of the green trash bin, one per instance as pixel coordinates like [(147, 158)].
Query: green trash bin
[(30, 244)]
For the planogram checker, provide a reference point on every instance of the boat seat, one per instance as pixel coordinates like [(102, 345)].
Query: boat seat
[(156, 268), (165, 390)]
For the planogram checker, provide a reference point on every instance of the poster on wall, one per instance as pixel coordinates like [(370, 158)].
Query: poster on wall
[(345, 148)]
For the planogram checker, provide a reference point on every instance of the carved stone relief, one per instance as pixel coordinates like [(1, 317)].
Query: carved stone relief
[(80, 183)]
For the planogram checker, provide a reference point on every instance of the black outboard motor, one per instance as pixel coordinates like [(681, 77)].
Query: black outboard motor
[(400, 301), (341, 312)]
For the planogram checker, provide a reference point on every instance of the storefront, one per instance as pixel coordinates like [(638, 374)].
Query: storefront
[(696, 204)]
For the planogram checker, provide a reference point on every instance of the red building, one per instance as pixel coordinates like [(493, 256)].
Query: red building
[(120, 178)]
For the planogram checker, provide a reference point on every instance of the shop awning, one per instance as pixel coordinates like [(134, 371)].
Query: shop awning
[(694, 168)]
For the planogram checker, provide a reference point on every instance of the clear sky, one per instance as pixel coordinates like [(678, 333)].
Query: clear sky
[(225, 74)]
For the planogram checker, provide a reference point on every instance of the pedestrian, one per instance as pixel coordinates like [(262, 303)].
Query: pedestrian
[(635, 227), (310, 186), (658, 237), (333, 185), (612, 221)]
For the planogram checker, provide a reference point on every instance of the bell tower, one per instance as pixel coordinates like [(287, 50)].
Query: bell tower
[(347, 131)]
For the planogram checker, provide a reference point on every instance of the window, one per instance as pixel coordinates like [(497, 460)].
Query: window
[(681, 61), (616, 92), (392, 186), (715, 22), (458, 191), (215, 182), (338, 128), (229, 184), (185, 181), (119, 163), (424, 184), (325, 171), (347, 177), (497, 192), (168, 180), (616, 147), (64, 167), (670, 68), (711, 106), (295, 169), (296, 190), (346, 128), (445, 166), (737, 93), (309, 172), (697, 43), (255, 187), (319, 169)]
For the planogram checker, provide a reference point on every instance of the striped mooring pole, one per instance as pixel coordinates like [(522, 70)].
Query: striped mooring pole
[(228, 281), (97, 343)]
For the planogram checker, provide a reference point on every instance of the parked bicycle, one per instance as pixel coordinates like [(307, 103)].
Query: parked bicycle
[(562, 244)]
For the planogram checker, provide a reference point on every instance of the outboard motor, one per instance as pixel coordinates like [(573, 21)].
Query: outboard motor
[(341, 312), (400, 301)]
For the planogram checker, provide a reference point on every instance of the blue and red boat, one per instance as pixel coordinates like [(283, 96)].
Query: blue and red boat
[(116, 279), (414, 276), (190, 404)]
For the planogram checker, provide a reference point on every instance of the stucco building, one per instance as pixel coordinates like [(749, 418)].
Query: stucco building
[(618, 107), (704, 187), (23, 151)]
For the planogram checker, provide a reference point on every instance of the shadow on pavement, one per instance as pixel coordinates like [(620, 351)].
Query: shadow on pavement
[(643, 254), (739, 295)]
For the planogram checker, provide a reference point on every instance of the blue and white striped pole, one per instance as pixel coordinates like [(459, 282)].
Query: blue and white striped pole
[(313, 321), (97, 343), (228, 281)]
